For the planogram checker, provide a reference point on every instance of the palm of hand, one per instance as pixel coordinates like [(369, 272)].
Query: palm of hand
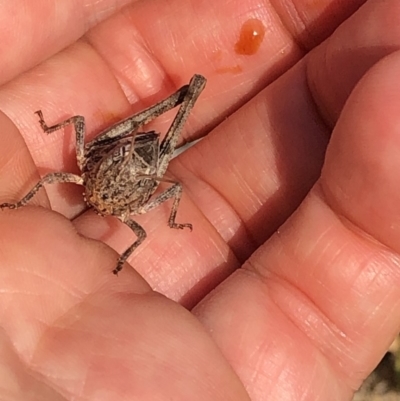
[(308, 314)]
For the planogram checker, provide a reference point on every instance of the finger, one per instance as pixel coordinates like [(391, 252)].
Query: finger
[(319, 304), (350, 53), (48, 27)]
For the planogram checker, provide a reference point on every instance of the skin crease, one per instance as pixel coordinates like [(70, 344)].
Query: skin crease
[(287, 288)]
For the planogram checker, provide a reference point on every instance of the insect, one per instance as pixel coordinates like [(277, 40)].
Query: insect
[(121, 168)]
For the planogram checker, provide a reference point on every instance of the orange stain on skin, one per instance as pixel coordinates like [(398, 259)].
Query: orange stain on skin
[(237, 69), (251, 36)]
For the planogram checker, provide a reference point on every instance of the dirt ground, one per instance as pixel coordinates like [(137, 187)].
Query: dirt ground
[(384, 382)]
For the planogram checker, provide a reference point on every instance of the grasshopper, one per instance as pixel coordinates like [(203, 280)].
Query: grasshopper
[(121, 168)]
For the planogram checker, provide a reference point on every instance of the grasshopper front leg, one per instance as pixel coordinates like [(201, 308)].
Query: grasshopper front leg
[(173, 192), (47, 179)]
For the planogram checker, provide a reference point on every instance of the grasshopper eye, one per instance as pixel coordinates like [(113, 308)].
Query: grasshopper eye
[(105, 196)]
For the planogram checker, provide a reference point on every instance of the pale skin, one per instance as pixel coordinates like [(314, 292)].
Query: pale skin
[(304, 235)]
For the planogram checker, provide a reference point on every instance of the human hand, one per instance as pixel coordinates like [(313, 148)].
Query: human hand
[(309, 259)]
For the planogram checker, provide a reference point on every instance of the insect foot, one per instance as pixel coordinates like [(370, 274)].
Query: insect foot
[(8, 206), (182, 226), (122, 167)]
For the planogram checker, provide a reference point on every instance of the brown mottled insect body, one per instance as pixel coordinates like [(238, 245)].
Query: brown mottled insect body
[(121, 168), (124, 178)]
